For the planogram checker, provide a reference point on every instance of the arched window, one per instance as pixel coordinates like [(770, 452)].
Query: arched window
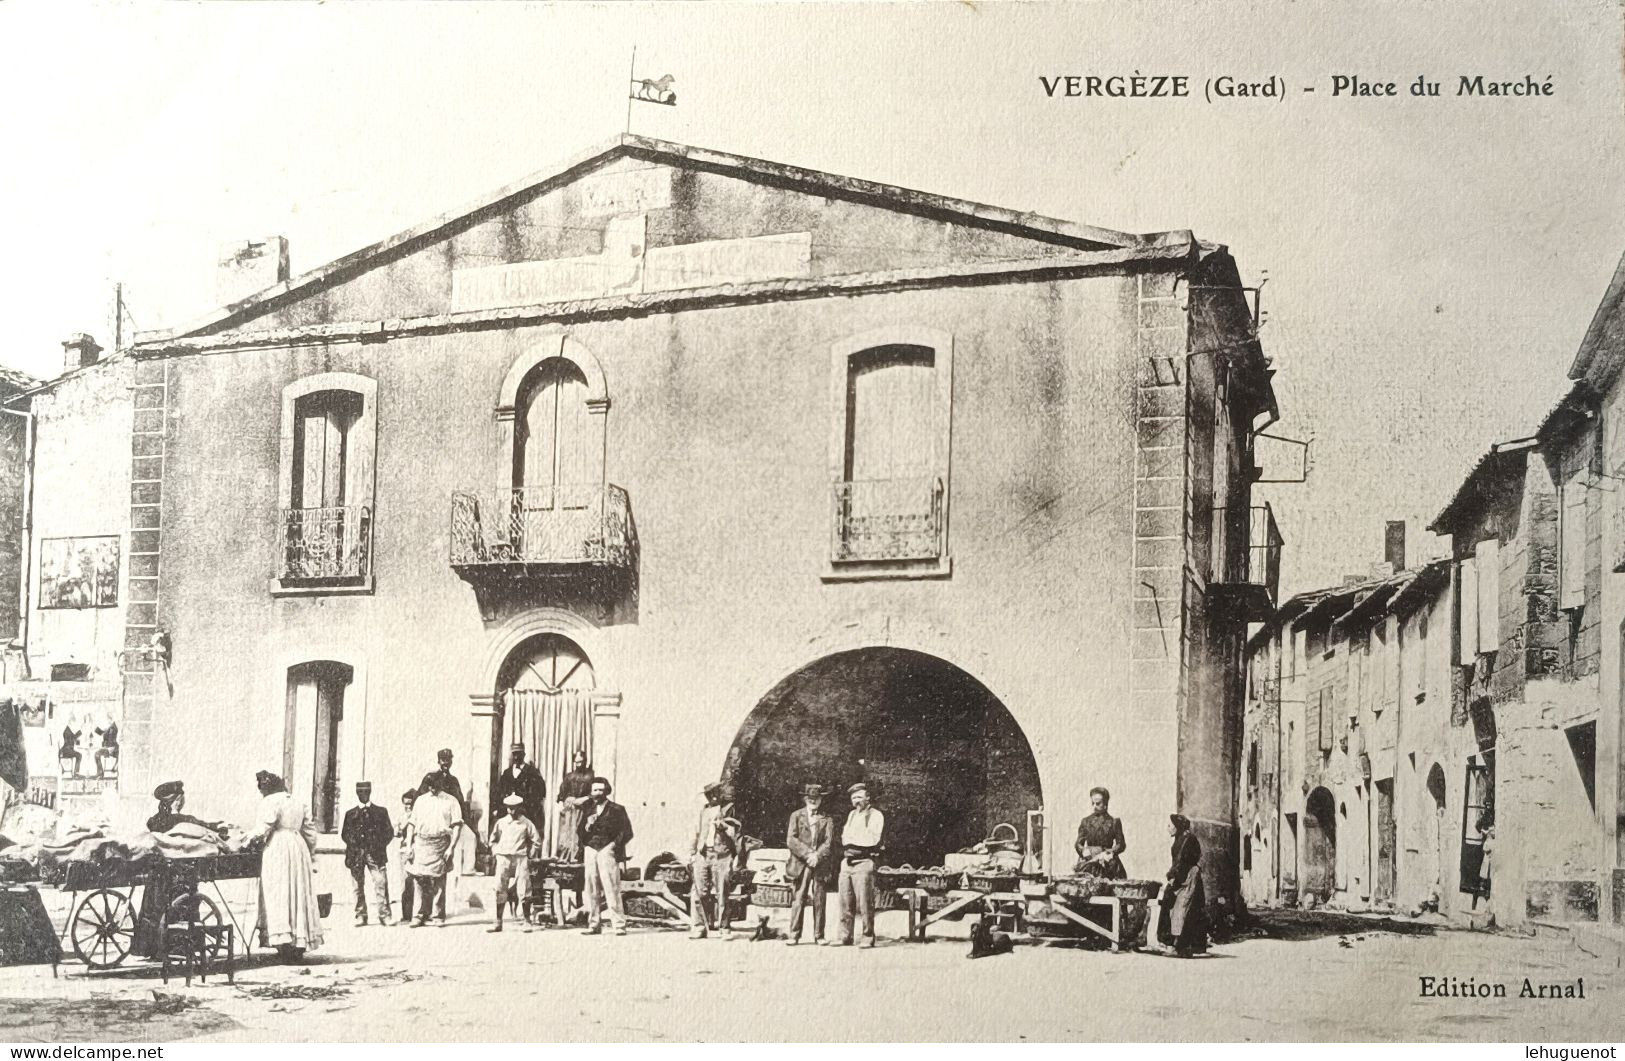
[(313, 738), (553, 434), (329, 430), (889, 454)]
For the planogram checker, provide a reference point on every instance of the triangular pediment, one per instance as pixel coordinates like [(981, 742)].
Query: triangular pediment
[(644, 217)]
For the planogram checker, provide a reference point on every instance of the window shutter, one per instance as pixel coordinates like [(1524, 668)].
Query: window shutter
[(1390, 662), (1572, 547), (1467, 612), (1488, 556)]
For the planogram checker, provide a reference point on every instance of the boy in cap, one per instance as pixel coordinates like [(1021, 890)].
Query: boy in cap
[(512, 840), (366, 834), (711, 860), (860, 843), (811, 840)]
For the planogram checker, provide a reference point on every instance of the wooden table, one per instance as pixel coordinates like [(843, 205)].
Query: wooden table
[(961, 899)]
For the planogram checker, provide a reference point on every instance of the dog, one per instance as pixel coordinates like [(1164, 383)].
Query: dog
[(765, 931), (986, 941)]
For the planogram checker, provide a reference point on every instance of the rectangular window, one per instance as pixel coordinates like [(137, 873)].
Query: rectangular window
[(891, 468), (1572, 547), (1467, 612), (1487, 555)]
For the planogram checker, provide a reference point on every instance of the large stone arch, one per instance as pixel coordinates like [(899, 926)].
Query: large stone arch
[(948, 758)]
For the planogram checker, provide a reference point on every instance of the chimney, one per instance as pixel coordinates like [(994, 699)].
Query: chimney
[(248, 267), (1393, 544), (79, 350)]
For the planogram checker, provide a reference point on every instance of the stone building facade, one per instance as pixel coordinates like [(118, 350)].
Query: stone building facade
[(1502, 752), (714, 467)]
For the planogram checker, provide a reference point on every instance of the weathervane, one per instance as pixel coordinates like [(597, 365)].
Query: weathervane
[(647, 90)]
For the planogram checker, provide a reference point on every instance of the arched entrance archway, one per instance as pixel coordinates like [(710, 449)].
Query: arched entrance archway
[(544, 695), (1434, 840), (947, 759), (1320, 844)]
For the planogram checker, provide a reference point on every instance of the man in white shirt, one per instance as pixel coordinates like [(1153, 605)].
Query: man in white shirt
[(861, 841)]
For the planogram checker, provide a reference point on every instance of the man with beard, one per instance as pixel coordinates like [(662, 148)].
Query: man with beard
[(604, 833)]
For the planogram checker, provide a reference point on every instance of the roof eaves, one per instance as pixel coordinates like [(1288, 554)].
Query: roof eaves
[(1586, 358), (1500, 460)]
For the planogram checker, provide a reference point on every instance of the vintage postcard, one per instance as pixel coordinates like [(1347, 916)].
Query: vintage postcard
[(812, 522)]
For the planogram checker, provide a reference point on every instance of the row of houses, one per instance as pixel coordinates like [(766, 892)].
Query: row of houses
[(706, 466), (1445, 735)]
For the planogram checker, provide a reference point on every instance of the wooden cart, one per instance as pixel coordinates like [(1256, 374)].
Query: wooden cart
[(106, 923)]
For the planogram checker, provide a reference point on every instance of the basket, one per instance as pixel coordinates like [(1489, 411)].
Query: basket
[(779, 895), (901, 877), (996, 842), (940, 880), (741, 878), (324, 903), (1083, 887), (1143, 890), (992, 881)]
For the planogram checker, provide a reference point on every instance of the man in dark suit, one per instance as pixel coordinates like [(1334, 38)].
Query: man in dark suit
[(811, 840), (604, 831), (521, 779), (367, 834)]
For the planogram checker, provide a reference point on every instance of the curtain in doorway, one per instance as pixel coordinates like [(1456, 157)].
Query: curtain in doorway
[(552, 726)]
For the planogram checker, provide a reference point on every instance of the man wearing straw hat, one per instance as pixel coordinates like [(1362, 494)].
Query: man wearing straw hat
[(811, 840), (513, 839), (711, 860)]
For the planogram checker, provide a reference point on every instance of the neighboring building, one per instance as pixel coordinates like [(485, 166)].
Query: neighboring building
[(713, 467), (1597, 366), (1488, 793), (72, 490), (1347, 744)]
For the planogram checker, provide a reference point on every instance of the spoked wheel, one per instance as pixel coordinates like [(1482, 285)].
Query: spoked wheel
[(201, 909), (103, 929)]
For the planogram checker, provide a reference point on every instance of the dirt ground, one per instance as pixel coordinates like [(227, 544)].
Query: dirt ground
[(1304, 977)]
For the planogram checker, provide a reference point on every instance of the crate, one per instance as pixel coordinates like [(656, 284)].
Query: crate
[(778, 895), (568, 874), (673, 873), (992, 882), (646, 908), (886, 899)]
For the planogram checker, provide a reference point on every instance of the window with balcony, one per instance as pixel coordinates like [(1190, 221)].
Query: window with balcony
[(551, 510), (324, 520), (889, 456)]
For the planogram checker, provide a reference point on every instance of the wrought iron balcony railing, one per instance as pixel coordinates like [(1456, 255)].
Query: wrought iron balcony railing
[(887, 519), (542, 526), (325, 544), (1253, 575)]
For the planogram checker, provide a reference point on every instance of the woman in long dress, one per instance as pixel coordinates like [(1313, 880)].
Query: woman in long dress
[(1183, 921), (576, 786), (288, 917)]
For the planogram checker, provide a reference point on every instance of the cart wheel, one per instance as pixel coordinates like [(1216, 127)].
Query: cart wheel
[(103, 929), (207, 917)]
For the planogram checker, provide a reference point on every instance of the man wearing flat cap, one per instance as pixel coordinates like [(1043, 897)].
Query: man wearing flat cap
[(171, 797), (521, 779), (811, 840), (367, 833), (861, 840), (711, 860)]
